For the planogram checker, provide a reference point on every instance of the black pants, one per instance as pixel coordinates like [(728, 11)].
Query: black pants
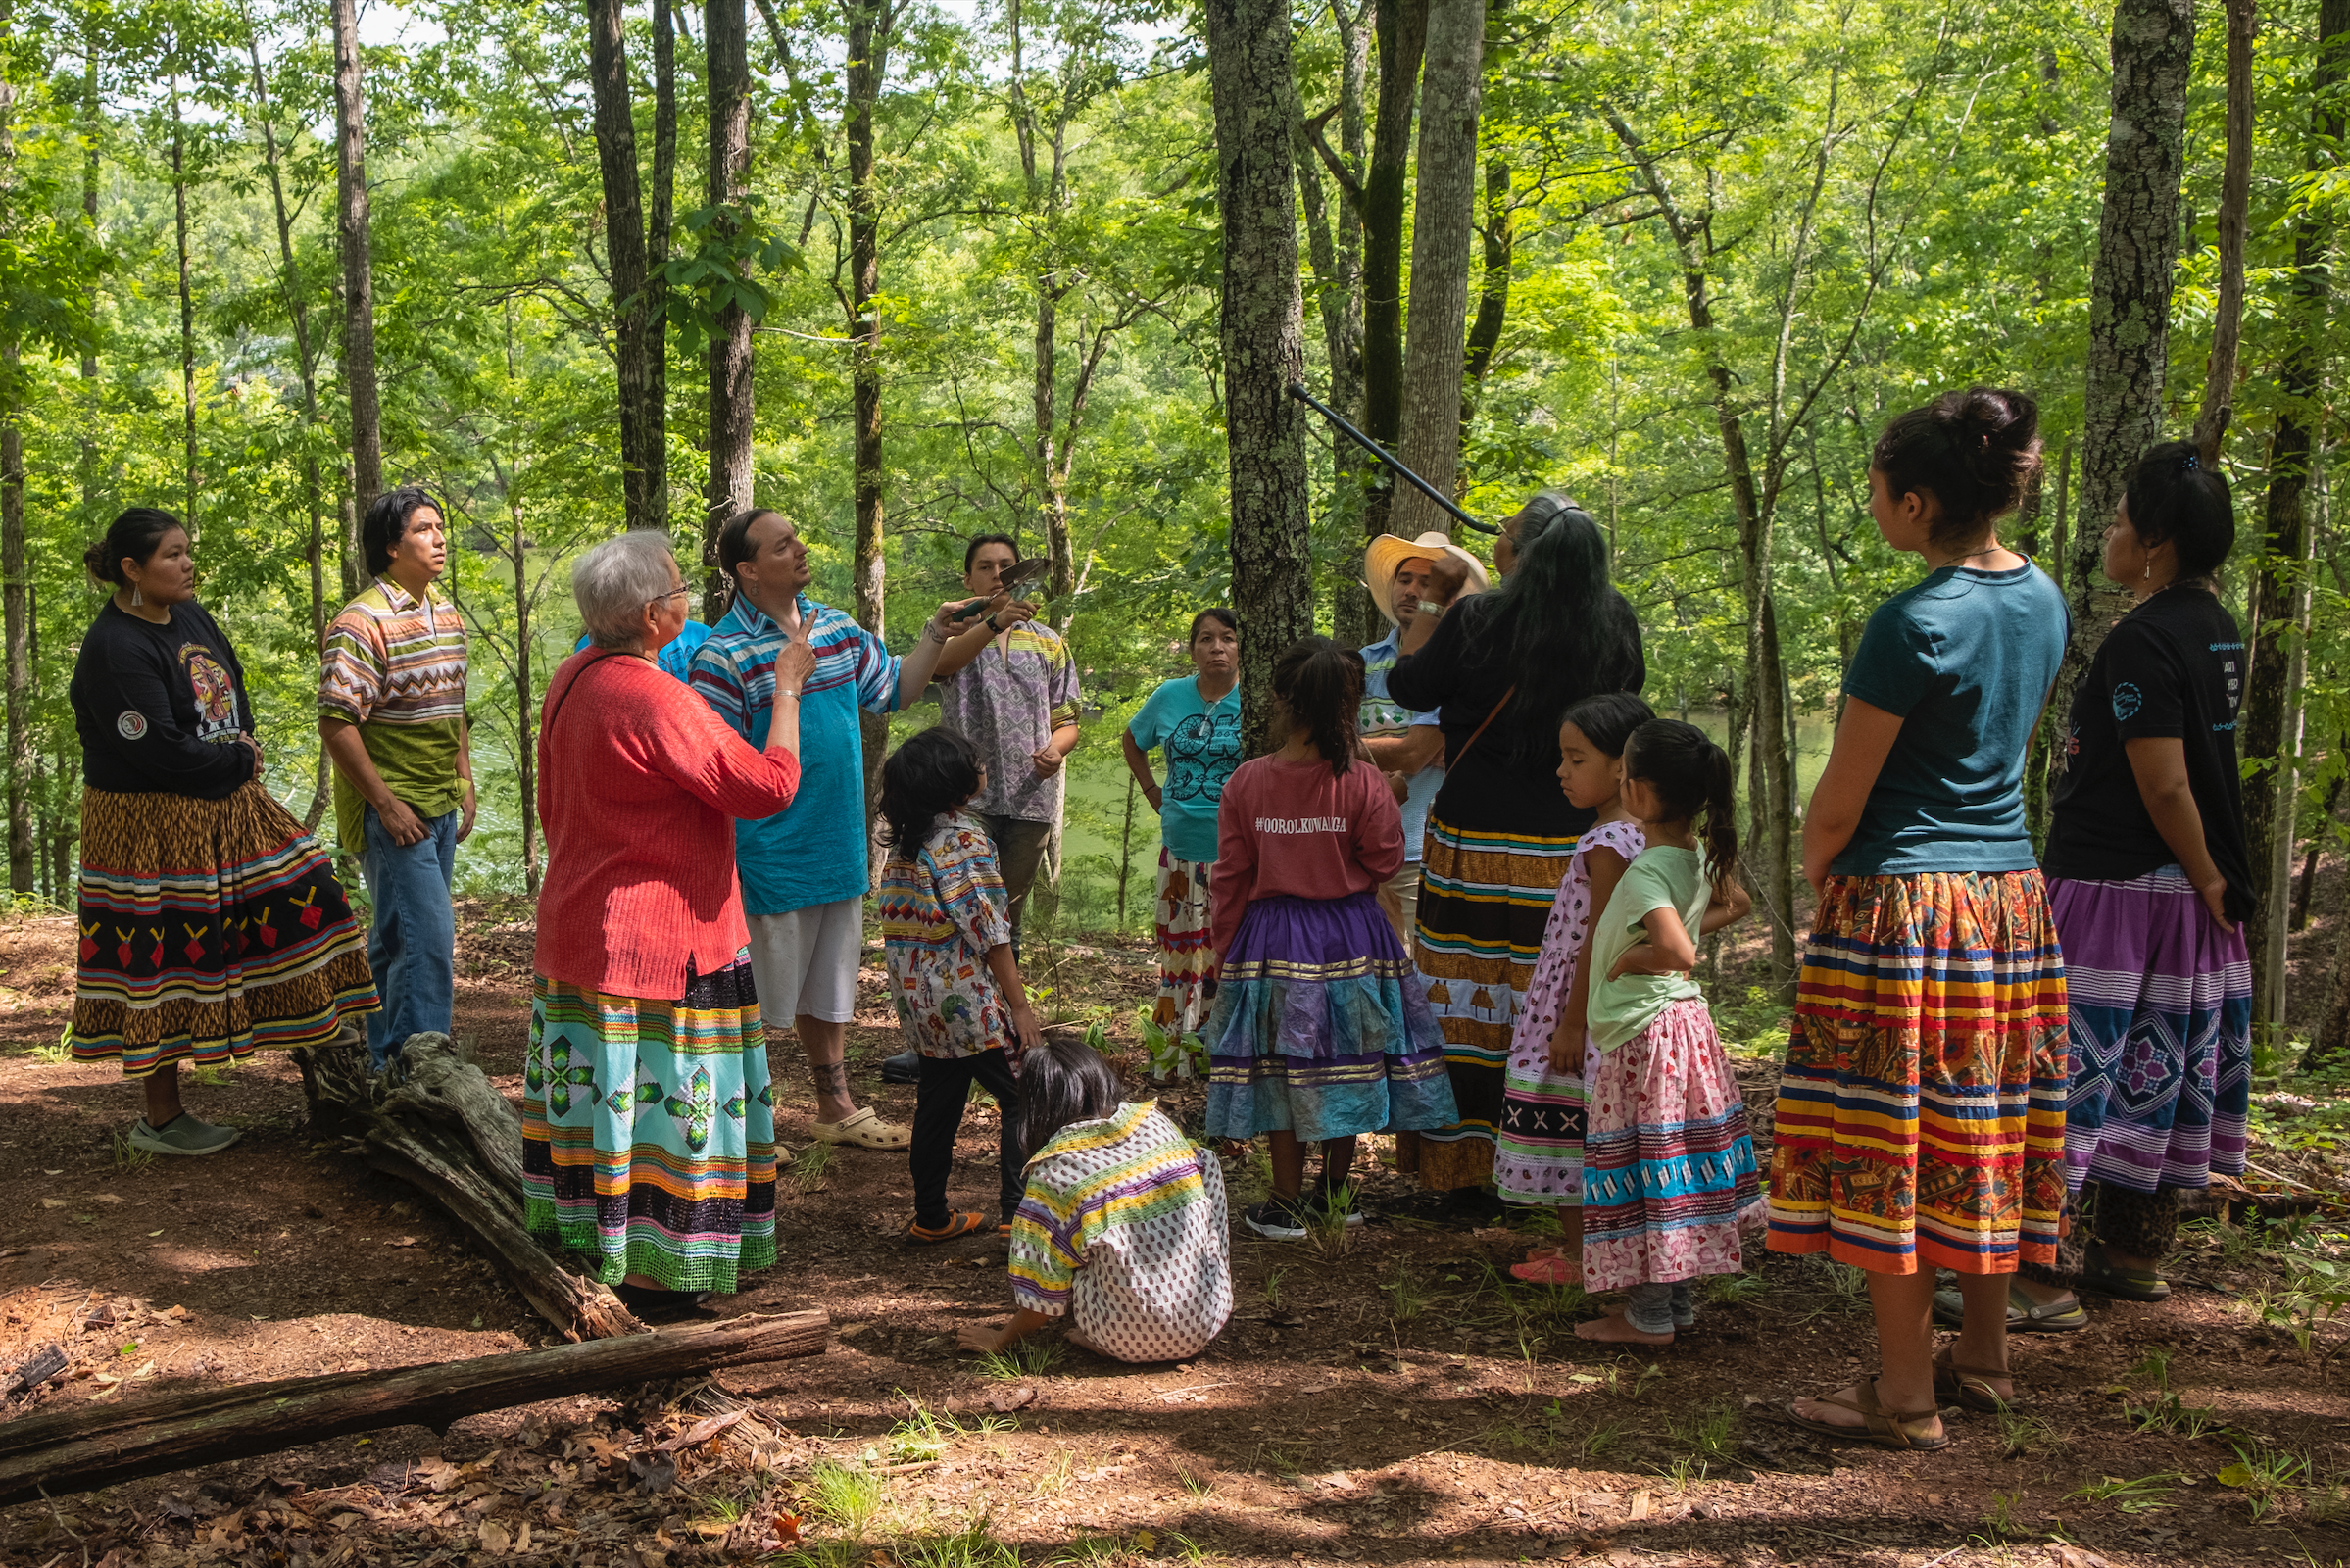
[(940, 1095)]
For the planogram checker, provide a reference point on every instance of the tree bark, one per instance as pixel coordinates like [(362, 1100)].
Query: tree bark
[(1443, 221), (1492, 298), (1354, 619), (83, 1448), (187, 322), (2129, 301), (15, 620), (725, 36), (872, 26), (359, 270), (633, 259), (2235, 200), (1263, 329), (92, 124), (1402, 26), (2280, 589)]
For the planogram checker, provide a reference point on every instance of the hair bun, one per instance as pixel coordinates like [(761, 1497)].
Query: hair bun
[(93, 559)]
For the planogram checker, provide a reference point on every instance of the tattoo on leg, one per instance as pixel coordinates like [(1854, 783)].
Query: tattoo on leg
[(829, 1077)]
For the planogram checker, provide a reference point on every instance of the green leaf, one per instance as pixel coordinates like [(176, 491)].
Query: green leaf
[(2235, 1474)]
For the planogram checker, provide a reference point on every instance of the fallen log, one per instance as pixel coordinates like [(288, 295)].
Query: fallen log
[(437, 1123), (91, 1446)]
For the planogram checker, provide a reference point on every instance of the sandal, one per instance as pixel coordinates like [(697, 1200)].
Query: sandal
[(1970, 1386), (861, 1129), (957, 1225), (1548, 1271), (1888, 1429), (2102, 1274), (2024, 1314)]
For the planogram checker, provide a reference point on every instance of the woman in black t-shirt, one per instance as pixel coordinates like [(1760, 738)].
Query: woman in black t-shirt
[(1499, 668), (2150, 880), (211, 922)]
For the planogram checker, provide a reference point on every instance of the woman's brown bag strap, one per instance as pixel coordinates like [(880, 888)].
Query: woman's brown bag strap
[(1480, 729)]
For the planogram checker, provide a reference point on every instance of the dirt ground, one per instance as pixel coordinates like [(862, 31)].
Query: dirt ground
[(1393, 1399)]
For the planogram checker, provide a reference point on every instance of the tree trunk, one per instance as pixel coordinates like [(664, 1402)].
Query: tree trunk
[(359, 269), (2235, 199), (2280, 592), (2318, 843), (726, 35), (638, 292), (1444, 220), (2130, 302), (1493, 299), (1354, 619), (871, 24), (83, 1448), (15, 620), (1263, 329), (92, 124), (1402, 26), (187, 323)]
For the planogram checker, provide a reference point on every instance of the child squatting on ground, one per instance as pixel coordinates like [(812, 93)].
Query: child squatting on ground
[(1669, 1171), (1321, 1031), (952, 976), (1123, 1227), (1539, 1158)]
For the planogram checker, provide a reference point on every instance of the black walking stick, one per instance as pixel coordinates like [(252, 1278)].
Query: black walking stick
[(1297, 391)]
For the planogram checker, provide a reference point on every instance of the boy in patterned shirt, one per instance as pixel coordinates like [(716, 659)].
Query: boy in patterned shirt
[(392, 714)]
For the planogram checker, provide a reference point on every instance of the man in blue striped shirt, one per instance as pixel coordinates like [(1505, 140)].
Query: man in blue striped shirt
[(805, 869)]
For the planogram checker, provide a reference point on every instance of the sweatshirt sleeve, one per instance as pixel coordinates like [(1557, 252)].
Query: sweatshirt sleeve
[(134, 699), (1378, 824), (1425, 681), (1236, 858)]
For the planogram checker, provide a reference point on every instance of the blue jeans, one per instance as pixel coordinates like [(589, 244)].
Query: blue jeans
[(412, 946)]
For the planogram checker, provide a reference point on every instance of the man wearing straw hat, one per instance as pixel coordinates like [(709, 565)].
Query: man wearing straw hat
[(1407, 746)]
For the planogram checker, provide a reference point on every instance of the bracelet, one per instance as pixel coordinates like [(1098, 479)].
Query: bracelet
[(991, 626), (1433, 612), (786, 691)]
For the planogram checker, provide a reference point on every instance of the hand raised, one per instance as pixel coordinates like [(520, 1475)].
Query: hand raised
[(1446, 576), (795, 660)]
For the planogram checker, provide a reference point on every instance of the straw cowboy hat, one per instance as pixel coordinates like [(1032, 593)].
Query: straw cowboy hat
[(1388, 551)]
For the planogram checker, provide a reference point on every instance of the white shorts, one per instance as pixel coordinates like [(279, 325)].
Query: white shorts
[(805, 962)]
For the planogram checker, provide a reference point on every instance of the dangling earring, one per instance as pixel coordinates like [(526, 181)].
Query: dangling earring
[(2149, 572), (135, 599)]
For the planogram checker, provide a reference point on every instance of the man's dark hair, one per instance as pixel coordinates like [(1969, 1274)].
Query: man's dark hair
[(734, 539), (971, 549), (386, 523)]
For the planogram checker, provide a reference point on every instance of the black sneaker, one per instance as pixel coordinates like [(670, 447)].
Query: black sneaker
[(1275, 1220), (906, 1067)]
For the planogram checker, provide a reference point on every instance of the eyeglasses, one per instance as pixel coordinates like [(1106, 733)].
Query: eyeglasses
[(662, 599)]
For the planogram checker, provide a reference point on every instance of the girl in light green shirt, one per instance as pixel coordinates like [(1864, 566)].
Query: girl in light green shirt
[(1667, 1164)]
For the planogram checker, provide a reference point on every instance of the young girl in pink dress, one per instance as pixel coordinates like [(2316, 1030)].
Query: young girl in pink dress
[(1539, 1158), (1669, 1173)]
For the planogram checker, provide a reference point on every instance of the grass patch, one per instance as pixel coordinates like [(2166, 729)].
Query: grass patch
[(130, 1157), (2143, 1494), (1027, 1359), (846, 1496), (1406, 1291), (2022, 1436), (57, 1052), (2267, 1477), (809, 1166)]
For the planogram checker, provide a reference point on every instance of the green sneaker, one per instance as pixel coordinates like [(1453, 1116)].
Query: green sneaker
[(183, 1134)]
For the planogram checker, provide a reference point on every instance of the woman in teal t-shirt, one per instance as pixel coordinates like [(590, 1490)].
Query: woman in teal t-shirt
[(1195, 721), (1920, 1112)]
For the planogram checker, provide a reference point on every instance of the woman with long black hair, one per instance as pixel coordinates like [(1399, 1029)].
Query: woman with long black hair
[(1500, 668)]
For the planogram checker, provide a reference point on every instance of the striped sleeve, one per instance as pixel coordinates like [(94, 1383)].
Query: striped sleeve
[(716, 682), (354, 668), (1044, 1254)]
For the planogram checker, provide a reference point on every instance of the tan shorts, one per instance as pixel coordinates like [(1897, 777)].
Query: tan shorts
[(1399, 896), (804, 961)]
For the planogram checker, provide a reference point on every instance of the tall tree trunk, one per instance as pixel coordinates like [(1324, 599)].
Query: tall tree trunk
[(2280, 589), (1492, 296), (726, 35), (1443, 221), (2130, 302), (1263, 329), (871, 24), (358, 276), (1402, 26), (313, 497), (2235, 200), (187, 320), (634, 260), (92, 123), (15, 620), (1354, 619)]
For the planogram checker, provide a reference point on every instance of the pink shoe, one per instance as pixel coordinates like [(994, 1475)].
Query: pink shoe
[(1551, 1270)]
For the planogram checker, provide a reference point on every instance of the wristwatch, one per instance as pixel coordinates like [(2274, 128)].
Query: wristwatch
[(1433, 612), (991, 626)]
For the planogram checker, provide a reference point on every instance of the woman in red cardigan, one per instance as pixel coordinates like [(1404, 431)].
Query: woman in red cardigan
[(649, 1132)]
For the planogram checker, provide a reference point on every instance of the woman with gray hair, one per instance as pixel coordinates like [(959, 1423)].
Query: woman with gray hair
[(649, 1133)]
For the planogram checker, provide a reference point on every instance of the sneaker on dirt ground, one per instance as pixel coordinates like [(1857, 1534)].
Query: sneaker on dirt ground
[(1275, 1220), (183, 1134), (1318, 1206)]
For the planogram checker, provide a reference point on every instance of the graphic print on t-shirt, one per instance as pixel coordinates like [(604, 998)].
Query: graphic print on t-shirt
[(1201, 752), (215, 694)]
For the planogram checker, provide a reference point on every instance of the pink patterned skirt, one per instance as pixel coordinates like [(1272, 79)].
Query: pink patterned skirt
[(1668, 1165)]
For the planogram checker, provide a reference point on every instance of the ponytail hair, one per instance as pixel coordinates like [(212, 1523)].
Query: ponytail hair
[(1691, 776), (1608, 720), (1976, 452), (1321, 685), (136, 535)]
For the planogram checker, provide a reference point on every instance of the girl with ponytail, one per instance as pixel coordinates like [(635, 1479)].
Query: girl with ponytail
[(1669, 1172), (1321, 1031)]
